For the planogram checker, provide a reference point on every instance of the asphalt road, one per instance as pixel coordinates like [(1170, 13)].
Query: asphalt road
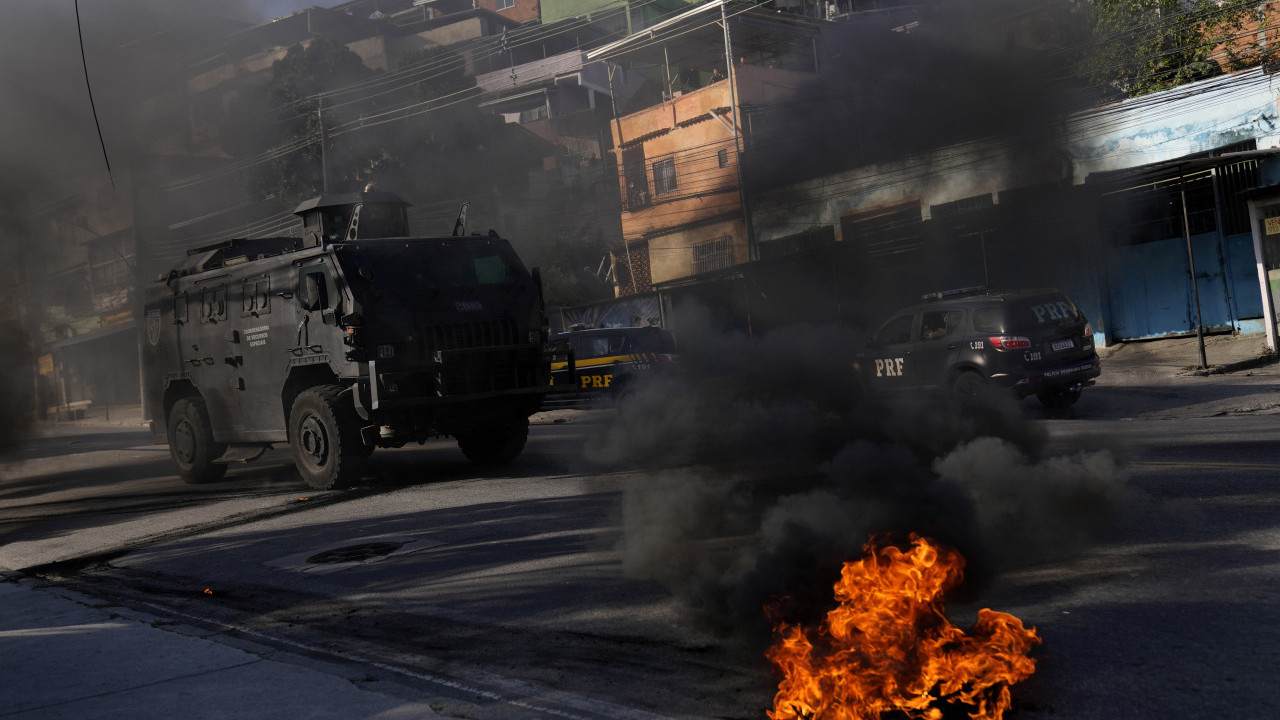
[(1148, 558), (1175, 611)]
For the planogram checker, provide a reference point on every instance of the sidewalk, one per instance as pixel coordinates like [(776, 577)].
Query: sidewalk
[(69, 657), (1164, 359), (130, 417), (121, 416)]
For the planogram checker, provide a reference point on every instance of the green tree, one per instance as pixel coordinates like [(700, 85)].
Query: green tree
[(285, 119), (1142, 46)]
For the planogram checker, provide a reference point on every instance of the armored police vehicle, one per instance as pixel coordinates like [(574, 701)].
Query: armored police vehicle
[(1030, 342), (351, 337)]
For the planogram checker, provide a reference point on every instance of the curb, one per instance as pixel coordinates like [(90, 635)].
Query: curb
[(1231, 367)]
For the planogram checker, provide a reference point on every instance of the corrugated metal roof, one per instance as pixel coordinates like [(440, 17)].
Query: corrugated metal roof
[(1169, 168)]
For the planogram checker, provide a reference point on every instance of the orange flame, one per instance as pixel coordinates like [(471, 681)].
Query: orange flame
[(888, 646)]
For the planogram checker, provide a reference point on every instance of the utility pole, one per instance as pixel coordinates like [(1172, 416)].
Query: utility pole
[(732, 77), (613, 101), (324, 160), (1191, 261)]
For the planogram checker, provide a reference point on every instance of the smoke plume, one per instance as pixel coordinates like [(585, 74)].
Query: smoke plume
[(769, 471), (48, 117), (786, 469), (906, 80)]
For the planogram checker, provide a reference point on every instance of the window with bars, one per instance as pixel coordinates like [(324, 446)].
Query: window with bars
[(634, 176), (111, 276), (886, 231), (714, 254), (960, 208), (1233, 181), (797, 243), (664, 176)]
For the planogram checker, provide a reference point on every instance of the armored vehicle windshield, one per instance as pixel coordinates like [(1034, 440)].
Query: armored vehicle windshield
[(450, 263)]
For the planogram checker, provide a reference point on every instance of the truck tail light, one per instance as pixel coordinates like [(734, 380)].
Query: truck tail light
[(1088, 329), (1009, 342)]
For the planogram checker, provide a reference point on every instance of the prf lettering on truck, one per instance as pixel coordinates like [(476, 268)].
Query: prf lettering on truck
[(1051, 311), (888, 367), (590, 382)]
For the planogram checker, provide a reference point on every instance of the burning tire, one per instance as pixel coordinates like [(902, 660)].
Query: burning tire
[(1059, 398), (324, 435), (495, 445), (191, 442)]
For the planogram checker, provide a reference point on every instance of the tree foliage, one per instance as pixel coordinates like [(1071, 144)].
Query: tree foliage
[(292, 118), (1143, 46)]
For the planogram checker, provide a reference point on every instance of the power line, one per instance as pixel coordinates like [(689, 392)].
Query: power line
[(391, 115), (89, 87), (410, 110)]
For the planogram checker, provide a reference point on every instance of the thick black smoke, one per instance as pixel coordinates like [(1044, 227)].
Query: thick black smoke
[(72, 138), (780, 399), (770, 470), (17, 410), (86, 101), (53, 139), (908, 80), (75, 167)]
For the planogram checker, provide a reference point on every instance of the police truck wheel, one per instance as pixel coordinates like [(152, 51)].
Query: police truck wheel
[(1059, 398), (496, 445), (966, 389), (191, 442), (324, 436)]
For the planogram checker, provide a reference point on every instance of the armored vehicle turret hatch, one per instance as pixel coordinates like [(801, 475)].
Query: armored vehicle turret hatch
[(338, 217)]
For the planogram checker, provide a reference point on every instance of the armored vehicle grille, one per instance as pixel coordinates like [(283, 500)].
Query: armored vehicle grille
[(483, 371), (462, 336)]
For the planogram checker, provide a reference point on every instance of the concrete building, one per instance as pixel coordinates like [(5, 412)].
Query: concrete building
[(681, 176), (1089, 201), (672, 146), (1098, 213), (619, 18)]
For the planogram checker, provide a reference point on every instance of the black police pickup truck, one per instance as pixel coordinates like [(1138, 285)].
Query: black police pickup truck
[(1030, 342), (605, 361)]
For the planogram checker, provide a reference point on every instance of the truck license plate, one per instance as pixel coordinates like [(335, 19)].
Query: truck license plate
[(1060, 345)]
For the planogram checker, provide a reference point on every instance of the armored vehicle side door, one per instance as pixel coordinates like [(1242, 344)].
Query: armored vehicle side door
[(263, 322), (208, 341), (315, 338)]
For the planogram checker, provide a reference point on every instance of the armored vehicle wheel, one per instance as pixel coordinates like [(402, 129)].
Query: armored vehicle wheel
[(324, 436), (966, 389), (1059, 398), (191, 442), (496, 445)]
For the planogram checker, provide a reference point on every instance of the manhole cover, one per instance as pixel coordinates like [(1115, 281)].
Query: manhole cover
[(354, 553)]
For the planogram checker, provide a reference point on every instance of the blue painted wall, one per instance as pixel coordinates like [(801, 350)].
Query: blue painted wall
[(1149, 291), (1242, 277), (1144, 300)]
